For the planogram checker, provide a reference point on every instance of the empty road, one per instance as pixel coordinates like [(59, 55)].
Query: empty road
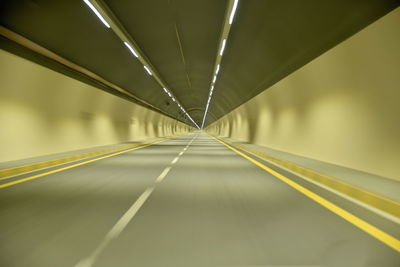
[(189, 201)]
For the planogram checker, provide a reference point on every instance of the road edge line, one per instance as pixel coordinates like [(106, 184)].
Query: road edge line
[(382, 236)]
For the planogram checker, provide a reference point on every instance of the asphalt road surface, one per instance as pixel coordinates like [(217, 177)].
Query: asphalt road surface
[(185, 202)]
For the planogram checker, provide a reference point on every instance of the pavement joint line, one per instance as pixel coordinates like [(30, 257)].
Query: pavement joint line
[(78, 158), (116, 229), (12, 172), (32, 167), (45, 168), (41, 165), (377, 211), (26, 179), (382, 236), (375, 200)]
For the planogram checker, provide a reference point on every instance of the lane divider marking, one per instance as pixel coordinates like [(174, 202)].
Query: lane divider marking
[(163, 174), (175, 160), (121, 224), (117, 228), (22, 180), (361, 224)]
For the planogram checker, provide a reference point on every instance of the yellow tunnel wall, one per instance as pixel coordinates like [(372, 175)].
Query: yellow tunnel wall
[(44, 112), (342, 108)]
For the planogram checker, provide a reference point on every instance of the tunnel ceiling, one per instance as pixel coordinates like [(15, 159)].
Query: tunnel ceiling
[(269, 39)]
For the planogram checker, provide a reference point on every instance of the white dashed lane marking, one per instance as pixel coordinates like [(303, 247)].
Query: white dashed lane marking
[(127, 217)]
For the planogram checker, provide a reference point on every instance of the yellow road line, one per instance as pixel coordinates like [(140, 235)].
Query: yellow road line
[(372, 199), (363, 225), (75, 165), (9, 172)]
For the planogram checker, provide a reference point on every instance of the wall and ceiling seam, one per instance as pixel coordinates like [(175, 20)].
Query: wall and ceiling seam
[(340, 108)]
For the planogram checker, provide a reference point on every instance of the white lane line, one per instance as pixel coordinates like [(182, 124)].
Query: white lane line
[(126, 218), (163, 174), (357, 202), (117, 229), (175, 160)]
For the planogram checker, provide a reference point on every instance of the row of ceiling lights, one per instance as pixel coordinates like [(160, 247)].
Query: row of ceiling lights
[(221, 52), (136, 54)]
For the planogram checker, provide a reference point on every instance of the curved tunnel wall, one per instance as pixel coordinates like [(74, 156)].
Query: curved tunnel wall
[(44, 112), (342, 107)]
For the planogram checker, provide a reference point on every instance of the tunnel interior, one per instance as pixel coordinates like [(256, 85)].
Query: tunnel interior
[(200, 133)]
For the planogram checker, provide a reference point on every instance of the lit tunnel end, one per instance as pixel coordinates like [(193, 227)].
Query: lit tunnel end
[(200, 133)]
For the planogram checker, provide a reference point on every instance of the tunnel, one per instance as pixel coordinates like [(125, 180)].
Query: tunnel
[(204, 133)]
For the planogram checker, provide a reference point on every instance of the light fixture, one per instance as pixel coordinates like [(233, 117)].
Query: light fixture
[(131, 49), (224, 36), (148, 71), (97, 13), (233, 11), (222, 47), (100, 9), (192, 121)]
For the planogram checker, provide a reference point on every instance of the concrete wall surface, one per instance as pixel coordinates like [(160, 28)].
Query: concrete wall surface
[(342, 108), (44, 112)]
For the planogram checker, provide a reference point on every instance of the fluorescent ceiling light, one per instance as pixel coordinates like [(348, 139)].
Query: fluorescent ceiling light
[(96, 12), (193, 121), (202, 124), (233, 11), (92, 4), (148, 71), (223, 47), (221, 52), (131, 49)]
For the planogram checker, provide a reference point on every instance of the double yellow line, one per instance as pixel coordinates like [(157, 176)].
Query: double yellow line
[(363, 225), (79, 164)]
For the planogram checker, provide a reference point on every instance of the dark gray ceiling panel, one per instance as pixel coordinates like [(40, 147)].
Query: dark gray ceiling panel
[(269, 39)]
